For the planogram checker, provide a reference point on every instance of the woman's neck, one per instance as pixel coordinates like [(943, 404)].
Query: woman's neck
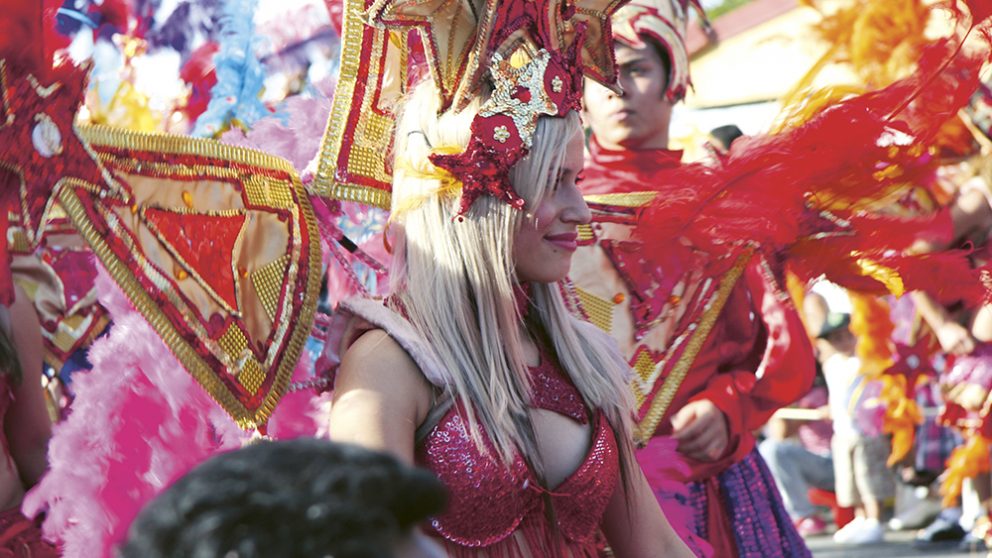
[(522, 298)]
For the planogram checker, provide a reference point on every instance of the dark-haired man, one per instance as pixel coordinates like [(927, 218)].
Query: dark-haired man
[(304, 498), (715, 345)]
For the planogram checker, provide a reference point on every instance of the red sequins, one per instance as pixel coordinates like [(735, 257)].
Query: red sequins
[(204, 244), (489, 501)]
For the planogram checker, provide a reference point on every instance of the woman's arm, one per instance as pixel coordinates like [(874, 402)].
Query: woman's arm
[(634, 525), (380, 397), (28, 425)]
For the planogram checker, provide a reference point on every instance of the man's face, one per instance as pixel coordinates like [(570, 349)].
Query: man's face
[(640, 118)]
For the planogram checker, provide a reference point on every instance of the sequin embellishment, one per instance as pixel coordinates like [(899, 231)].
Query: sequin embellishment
[(490, 501)]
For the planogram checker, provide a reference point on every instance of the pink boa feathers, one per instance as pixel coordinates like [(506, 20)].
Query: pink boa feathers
[(138, 423)]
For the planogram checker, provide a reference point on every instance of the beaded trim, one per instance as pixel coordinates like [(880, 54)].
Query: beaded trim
[(298, 311), (646, 428)]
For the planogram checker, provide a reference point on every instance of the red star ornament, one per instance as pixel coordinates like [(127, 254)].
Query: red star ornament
[(912, 361), (40, 145)]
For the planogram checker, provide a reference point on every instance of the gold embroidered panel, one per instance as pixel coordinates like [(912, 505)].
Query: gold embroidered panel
[(217, 247)]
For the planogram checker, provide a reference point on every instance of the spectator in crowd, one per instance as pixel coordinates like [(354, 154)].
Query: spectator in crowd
[(965, 337), (722, 137), (798, 455), (860, 451), (292, 499)]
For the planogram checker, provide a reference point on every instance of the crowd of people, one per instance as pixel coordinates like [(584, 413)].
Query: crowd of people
[(840, 446), (543, 377)]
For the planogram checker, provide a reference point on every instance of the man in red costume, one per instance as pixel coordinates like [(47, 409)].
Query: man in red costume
[(716, 346)]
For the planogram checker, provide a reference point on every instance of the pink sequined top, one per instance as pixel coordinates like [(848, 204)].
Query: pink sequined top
[(489, 502)]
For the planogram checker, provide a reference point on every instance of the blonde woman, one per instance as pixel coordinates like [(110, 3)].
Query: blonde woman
[(475, 369)]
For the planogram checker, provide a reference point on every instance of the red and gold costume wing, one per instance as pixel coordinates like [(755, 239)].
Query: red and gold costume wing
[(215, 245)]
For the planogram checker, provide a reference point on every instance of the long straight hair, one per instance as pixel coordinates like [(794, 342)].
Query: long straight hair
[(454, 279)]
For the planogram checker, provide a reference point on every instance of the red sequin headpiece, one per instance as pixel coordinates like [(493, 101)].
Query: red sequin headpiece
[(533, 54), (503, 130)]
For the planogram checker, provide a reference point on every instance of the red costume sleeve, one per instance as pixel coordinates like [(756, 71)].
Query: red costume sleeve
[(778, 371)]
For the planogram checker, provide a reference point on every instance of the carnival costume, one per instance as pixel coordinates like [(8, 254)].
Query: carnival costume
[(495, 509), (539, 52), (215, 251), (749, 324), (209, 255), (683, 264)]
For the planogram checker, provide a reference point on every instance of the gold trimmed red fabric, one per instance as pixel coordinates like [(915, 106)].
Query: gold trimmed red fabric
[(216, 246)]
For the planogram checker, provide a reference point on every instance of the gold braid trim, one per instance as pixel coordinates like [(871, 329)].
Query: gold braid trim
[(325, 182), (99, 135), (630, 199), (122, 275), (361, 194), (649, 425)]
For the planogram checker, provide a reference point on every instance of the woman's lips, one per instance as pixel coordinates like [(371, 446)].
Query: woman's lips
[(566, 241), (622, 115)]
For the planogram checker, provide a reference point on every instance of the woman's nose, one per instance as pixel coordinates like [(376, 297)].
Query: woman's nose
[(576, 210)]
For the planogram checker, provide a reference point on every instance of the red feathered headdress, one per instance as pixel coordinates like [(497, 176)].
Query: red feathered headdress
[(533, 54)]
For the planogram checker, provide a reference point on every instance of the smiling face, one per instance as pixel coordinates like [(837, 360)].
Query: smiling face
[(544, 243), (639, 118)]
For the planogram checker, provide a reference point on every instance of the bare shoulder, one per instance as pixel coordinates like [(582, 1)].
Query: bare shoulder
[(376, 362), (380, 396)]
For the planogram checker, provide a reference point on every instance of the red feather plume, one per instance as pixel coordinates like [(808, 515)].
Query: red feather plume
[(770, 191)]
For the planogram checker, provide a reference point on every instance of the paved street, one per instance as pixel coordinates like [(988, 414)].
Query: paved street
[(895, 545)]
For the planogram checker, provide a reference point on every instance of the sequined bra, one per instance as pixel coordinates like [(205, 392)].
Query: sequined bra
[(488, 502)]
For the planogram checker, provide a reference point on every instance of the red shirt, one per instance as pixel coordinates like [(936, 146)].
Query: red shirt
[(615, 172), (756, 359)]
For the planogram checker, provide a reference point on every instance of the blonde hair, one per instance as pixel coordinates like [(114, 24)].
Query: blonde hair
[(454, 280)]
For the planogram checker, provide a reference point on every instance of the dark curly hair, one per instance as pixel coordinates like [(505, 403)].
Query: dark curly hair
[(291, 499)]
